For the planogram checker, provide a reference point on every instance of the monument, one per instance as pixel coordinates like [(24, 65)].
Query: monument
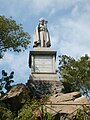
[(41, 35), (42, 60)]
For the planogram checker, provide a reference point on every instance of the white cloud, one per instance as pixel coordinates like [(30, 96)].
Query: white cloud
[(71, 32), (73, 40), (35, 7)]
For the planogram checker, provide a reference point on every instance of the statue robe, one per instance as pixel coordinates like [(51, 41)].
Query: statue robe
[(41, 37)]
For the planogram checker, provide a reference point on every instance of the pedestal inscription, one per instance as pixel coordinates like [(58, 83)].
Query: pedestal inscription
[(43, 63)]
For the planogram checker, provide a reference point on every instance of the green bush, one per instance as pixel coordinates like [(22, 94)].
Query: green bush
[(5, 114)]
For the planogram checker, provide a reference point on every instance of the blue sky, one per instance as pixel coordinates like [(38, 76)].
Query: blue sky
[(68, 24)]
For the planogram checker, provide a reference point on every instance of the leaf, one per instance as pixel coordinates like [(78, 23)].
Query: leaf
[(4, 73)]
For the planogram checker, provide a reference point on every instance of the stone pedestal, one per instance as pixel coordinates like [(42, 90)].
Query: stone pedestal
[(42, 63), (43, 79)]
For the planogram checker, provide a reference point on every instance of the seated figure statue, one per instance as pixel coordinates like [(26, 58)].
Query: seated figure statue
[(41, 35)]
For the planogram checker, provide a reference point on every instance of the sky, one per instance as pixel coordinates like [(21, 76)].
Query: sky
[(68, 25)]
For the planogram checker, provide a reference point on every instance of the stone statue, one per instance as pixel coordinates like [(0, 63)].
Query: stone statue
[(41, 35)]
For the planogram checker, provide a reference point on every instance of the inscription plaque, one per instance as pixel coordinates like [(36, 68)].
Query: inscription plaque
[(43, 63)]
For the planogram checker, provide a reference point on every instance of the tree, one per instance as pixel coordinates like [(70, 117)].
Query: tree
[(5, 81), (12, 36), (75, 73)]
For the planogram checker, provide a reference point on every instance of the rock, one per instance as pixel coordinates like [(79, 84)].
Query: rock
[(56, 98), (38, 88), (16, 97), (65, 103), (41, 88)]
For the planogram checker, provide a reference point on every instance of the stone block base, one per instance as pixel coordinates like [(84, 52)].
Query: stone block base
[(44, 76)]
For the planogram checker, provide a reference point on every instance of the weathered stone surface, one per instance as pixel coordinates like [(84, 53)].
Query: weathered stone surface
[(43, 63), (15, 91), (16, 97), (42, 60), (56, 98), (42, 49), (66, 102), (45, 77), (41, 88)]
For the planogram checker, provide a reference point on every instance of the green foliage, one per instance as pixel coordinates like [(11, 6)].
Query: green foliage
[(47, 115), (5, 114), (83, 114), (79, 115), (30, 111), (75, 72), (67, 87), (25, 113), (5, 81), (12, 36)]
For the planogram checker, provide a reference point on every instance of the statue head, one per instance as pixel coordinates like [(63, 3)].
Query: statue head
[(41, 21)]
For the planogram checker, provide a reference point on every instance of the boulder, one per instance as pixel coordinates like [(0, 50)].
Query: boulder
[(65, 104), (16, 97)]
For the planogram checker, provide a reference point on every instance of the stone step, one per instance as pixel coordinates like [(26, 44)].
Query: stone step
[(45, 76)]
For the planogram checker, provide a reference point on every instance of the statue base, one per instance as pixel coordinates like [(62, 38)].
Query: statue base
[(43, 78), (42, 62)]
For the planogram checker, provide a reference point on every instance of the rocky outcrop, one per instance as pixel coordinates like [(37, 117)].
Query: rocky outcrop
[(58, 104), (41, 88), (16, 97), (65, 104)]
